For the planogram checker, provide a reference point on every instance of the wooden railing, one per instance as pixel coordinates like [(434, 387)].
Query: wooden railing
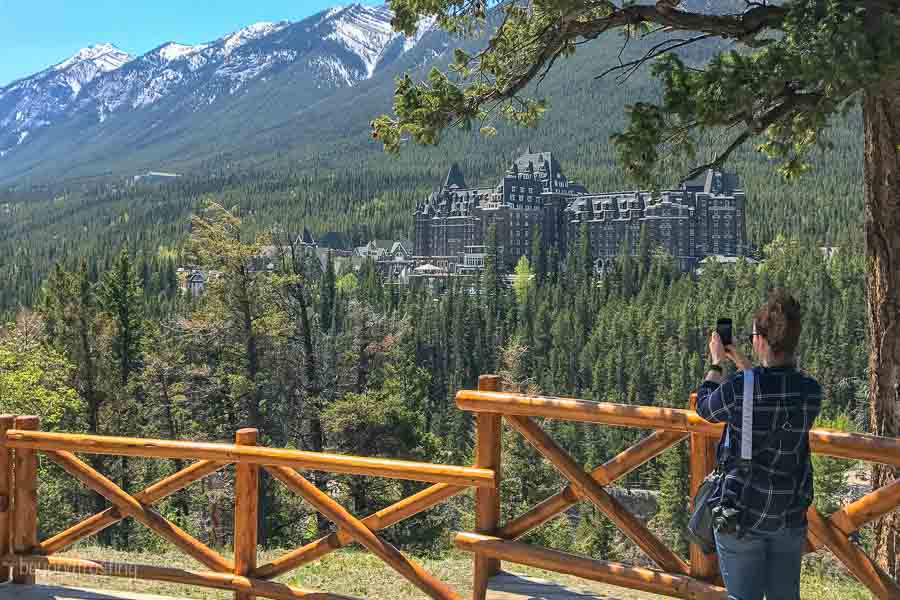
[(23, 552), (697, 578)]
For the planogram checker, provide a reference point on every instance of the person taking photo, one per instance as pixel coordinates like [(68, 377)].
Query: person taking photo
[(760, 505)]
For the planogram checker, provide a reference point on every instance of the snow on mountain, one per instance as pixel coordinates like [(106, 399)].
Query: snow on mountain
[(74, 72), (105, 57), (365, 31), (37, 101), (336, 48), (253, 32), (174, 51), (427, 24)]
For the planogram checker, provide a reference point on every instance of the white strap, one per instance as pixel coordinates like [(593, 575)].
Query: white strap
[(747, 417)]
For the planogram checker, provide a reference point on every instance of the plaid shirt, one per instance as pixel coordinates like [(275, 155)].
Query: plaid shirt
[(779, 488)]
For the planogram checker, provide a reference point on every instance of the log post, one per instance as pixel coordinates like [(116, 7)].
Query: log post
[(703, 461), (6, 486), (246, 509), (25, 501), (489, 429)]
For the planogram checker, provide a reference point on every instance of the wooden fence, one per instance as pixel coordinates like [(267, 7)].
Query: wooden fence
[(697, 578), (21, 552)]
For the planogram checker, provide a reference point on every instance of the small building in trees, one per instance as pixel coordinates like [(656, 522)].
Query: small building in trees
[(375, 249), (193, 281), (155, 178)]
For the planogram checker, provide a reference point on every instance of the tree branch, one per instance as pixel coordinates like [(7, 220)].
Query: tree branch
[(746, 25), (631, 66), (757, 125), (719, 160), (574, 25)]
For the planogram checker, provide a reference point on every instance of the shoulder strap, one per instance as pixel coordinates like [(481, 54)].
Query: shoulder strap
[(747, 453), (747, 417), (775, 432)]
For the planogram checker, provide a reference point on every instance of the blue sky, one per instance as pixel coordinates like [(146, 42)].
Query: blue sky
[(35, 34)]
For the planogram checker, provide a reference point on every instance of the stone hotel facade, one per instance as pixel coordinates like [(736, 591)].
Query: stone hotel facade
[(702, 217)]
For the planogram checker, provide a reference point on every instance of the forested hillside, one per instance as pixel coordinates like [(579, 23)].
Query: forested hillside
[(342, 179), (318, 359)]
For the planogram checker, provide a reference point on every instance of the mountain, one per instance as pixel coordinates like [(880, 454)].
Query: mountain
[(263, 91), (76, 118), (43, 98)]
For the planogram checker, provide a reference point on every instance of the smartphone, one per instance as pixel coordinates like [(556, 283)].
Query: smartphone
[(723, 328)]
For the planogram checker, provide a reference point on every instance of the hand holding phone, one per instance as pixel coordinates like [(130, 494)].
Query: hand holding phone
[(723, 328)]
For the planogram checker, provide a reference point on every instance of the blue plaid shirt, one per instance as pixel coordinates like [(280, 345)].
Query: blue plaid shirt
[(779, 488)]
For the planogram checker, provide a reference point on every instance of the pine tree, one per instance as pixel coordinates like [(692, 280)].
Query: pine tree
[(327, 293), (120, 296), (643, 256), (595, 535), (538, 255), (523, 280), (585, 257), (672, 515), (490, 290)]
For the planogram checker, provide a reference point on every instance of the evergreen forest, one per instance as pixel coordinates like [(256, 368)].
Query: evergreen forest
[(320, 358)]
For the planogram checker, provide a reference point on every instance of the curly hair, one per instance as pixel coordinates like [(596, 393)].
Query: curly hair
[(778, 320)]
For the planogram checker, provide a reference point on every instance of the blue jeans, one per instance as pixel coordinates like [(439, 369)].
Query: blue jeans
[(762, 564)]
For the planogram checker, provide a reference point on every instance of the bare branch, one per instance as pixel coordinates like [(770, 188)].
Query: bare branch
[(719, 160), (631, 66)]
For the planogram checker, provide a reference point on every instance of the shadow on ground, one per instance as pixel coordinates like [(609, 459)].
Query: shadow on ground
[(508, 586), (52, 592)]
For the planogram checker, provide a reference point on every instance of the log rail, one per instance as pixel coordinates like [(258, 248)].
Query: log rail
[(672, 575), (22, 552)]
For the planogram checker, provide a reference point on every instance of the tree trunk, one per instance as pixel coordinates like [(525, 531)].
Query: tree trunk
[(881, 112)]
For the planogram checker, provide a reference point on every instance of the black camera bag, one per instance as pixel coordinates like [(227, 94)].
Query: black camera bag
[(701, 526)]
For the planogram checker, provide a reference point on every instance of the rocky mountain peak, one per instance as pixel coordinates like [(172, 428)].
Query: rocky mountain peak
[(105, 56), (310, 59), (251, 32)]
